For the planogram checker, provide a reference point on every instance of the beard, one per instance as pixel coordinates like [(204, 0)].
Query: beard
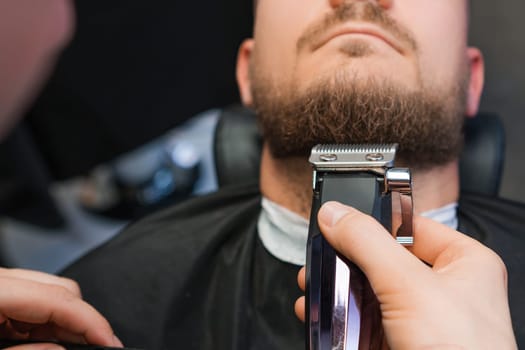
[(427, 123)]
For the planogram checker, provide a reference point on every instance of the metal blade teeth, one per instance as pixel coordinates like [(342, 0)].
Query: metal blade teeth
[(355, 148)]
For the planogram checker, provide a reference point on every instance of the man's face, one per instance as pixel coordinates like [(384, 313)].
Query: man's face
[(31, 35), (409, 42), (404, 48)]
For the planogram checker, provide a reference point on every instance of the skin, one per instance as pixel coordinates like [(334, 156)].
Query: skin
[(438, 30), (36, 305), (32, 33), (445, 306)]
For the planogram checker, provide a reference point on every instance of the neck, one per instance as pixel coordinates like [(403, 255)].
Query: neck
[(288, 182)]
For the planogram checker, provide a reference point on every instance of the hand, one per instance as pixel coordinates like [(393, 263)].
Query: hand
[(38, 306), (458, 302)]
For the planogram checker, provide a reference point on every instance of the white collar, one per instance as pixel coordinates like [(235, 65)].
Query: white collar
[(284, 233)]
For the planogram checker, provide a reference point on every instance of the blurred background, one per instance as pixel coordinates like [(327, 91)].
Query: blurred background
[(110, 138), (498, 29), (112, 135)]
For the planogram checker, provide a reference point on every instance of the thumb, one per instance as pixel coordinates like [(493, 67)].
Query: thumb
[(366, 243), (40, 346)]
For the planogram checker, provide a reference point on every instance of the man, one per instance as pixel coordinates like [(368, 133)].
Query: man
[(35, 305), (218, 272)]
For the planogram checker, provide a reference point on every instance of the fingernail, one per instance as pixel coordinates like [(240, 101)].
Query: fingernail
[(44, 347), (55, 348), (331, 212), (117, 342)]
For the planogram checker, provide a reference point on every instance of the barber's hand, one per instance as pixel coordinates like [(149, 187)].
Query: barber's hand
[(458, 303), (38, 306)]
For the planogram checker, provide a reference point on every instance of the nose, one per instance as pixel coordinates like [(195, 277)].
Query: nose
[(385, 4)]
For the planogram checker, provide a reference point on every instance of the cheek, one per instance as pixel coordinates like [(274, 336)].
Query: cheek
[(441, 64), (36, 26), (278, 27), (58, 22), (441, 38), (31, 34)]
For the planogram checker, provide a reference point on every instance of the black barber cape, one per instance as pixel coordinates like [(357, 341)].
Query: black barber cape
[(196, 276)]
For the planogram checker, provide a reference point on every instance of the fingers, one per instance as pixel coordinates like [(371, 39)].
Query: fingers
[(439, 246), (433, 239), (41, 277), (301, 278), (42, 346), (300, 308), (364, 241), (31, 302), (299, 304), (462, 297), (386, 263)]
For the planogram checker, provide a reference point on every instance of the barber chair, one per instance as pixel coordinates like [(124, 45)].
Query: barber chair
[(238, 146)]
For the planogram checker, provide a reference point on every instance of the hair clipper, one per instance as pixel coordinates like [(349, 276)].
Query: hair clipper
[(342, 311)]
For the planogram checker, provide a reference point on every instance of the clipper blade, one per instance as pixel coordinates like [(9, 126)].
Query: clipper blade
[(336, 156)]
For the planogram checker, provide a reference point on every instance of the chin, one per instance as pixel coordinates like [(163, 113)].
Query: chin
[(362, 71), (361, 67)]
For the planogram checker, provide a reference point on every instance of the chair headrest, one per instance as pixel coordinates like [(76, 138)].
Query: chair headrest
[(481, 163), (238, 145)]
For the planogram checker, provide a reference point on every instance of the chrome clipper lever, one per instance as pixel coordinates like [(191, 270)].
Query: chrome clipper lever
[(342, 311), (399, 183)]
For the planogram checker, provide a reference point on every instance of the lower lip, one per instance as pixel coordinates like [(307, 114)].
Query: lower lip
[(368, 38), (360, 35)]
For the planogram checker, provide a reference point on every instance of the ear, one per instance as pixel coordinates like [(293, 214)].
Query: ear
[(243, 71), (477, 78)]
